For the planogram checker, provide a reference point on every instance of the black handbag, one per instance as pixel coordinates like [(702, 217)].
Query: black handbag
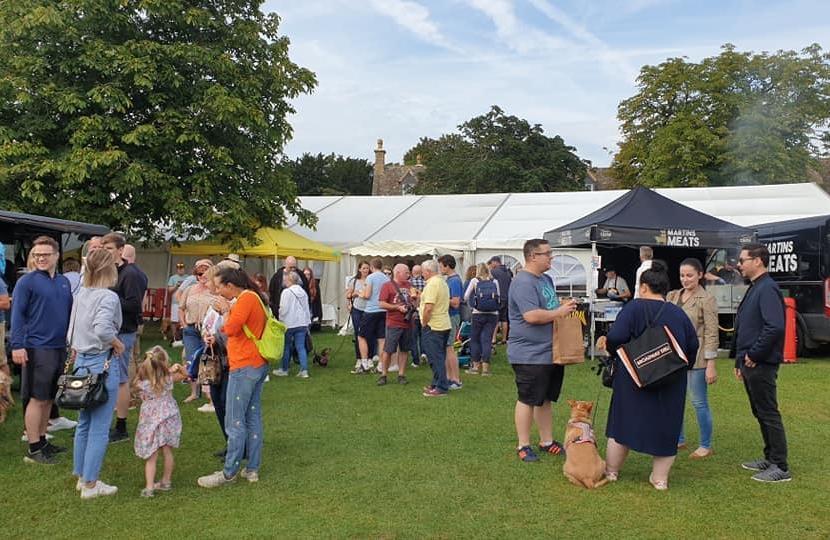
[(82, 391), (654, 358)]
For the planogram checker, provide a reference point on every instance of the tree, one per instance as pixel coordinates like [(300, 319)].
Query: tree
[(146, 115), (734, 118), (330, 175), (497, 153)]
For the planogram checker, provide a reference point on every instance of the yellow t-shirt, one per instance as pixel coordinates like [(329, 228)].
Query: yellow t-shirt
[(437, 293)]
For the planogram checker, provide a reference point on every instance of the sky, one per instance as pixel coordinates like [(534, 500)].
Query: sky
[(401, 70)]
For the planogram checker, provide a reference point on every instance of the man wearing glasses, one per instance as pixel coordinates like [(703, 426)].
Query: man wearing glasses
[(130, 288), (758, 350), (40, 320), (532, 308)]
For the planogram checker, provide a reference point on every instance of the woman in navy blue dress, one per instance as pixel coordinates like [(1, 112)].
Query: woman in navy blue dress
[(647, 421)]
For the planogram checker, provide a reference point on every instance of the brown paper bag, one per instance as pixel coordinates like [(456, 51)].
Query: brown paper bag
[(568, 347)]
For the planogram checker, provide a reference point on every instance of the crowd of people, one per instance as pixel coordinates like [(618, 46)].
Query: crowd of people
[(401, 318)]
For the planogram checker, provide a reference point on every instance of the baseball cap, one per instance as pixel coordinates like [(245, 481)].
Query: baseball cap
[(179, 265), (203, 262)]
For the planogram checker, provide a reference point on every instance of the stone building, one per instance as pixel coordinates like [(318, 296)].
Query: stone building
[(393, 179)]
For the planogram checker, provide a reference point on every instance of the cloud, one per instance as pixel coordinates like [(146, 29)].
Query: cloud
[(414, 17), (516, 35)]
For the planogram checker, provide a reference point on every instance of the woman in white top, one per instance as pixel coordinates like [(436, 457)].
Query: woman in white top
[(357, 306), (483, 296), (296, 315)]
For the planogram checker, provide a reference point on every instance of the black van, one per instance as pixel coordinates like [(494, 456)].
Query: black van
[(799, 262)]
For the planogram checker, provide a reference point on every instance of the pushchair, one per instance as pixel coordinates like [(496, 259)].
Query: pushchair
[(462, 344)]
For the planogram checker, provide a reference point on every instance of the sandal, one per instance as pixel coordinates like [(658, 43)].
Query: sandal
[(188, 399), (147, 493), (611, 476), (473, 371), (163, 486), (659, 485)]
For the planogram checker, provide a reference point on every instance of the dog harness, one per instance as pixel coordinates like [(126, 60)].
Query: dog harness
[(587, 434)]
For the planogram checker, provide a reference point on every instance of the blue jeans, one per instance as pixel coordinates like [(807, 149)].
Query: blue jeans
[(698, 390), (295, 337), (416, 341), (243, 418), (92, 432), (481, 334), (434, 345), (192, 340)]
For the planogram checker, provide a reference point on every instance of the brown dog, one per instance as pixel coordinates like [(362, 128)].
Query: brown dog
[(583, 466), (6, 399)]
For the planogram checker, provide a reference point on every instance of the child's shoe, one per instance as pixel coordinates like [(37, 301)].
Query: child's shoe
[(148, 493)]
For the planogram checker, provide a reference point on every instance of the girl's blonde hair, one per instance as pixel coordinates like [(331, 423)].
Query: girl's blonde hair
[(155, 368), (101, 272), (482, 271)]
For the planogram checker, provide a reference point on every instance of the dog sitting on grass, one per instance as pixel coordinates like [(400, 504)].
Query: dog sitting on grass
[(6, 399), (583, 466)]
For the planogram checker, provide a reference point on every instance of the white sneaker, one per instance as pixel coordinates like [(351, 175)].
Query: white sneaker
[(178, 343), (303, 374), (79, 485), (393, 368), (424, 359), (216, 479), (25, 438), (280, 373), (100, 489), (56, 424), (207, 407), (250, 476)]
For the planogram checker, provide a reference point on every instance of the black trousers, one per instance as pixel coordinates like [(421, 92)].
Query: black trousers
[(762, 390)]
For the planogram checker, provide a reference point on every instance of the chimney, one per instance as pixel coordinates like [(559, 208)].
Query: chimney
[(380, 160)]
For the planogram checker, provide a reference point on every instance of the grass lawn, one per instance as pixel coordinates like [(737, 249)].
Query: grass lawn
[(343, 458)]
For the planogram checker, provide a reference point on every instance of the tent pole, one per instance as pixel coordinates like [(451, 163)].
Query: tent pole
[(591, 294)]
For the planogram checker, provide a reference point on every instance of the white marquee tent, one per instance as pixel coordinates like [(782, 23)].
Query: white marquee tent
[(475, 227)]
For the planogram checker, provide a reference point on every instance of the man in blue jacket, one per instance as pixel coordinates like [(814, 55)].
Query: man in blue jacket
[(40, 319), (758, 351)]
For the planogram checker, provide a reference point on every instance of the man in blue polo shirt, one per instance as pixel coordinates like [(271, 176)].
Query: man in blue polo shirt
[(40, 320)]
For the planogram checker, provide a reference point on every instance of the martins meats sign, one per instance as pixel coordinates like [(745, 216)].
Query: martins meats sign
[(782, 257), (679, 238)]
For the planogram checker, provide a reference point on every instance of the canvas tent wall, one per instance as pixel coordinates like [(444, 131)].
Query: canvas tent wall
[(499, 223)]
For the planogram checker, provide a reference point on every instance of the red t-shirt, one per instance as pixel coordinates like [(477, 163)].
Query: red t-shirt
[(390, 295)]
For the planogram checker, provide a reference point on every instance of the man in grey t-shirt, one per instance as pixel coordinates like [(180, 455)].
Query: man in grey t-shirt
[(533, 306)]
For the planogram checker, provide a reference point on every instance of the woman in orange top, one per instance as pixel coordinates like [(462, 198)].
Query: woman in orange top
[(241, 307)]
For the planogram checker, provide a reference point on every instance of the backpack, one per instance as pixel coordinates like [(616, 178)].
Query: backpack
[(486, 296), (270, 344)]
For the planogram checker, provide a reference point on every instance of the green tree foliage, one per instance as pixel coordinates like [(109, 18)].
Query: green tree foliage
[(496, 153), (330, 175), (734, 118), (146, 113)]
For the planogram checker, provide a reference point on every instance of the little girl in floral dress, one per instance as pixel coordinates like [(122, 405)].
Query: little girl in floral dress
[(159, 423)]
